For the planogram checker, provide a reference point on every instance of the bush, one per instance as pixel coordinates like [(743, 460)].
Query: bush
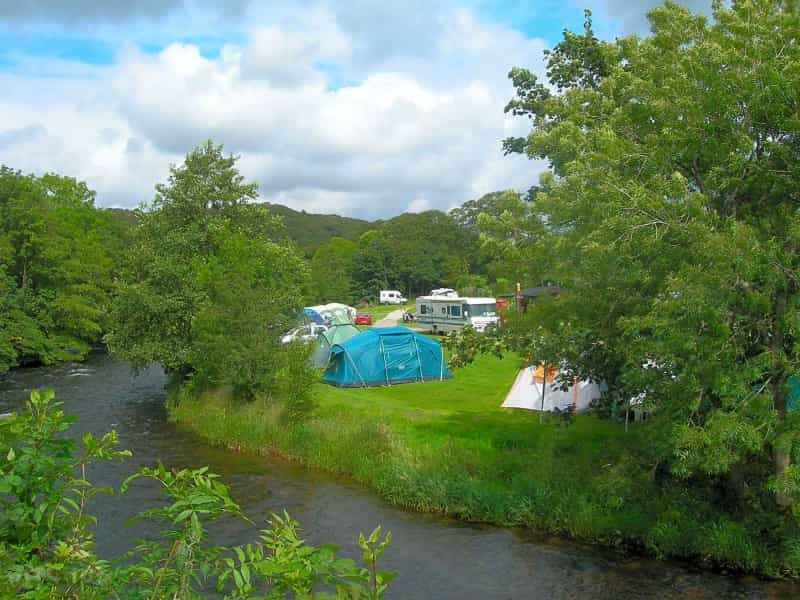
[(46, 542), (295, 380)]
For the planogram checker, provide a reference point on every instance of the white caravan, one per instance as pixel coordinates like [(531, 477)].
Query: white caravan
[(451, 313), (391, 297)]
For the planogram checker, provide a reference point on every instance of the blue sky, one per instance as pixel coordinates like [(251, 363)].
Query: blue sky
[(360, 107), (97, 41)]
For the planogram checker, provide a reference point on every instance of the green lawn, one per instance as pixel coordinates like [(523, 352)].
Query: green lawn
[(448, 447)]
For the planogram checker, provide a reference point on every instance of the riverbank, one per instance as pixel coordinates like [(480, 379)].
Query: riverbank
[(447, 448)]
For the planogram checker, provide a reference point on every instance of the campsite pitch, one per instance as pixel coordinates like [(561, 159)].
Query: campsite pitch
[(448, 447)]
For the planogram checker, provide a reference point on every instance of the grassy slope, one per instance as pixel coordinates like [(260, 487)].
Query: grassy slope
[(447, 447)]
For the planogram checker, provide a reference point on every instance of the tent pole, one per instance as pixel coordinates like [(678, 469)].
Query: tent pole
[(574, 395), (627, 412), (419, 360), (385, 366), (355, 368), (544, 387)]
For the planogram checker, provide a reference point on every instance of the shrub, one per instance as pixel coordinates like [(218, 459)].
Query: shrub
[(46, 541)]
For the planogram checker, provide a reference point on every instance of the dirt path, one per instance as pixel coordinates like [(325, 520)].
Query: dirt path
[(391, 319)]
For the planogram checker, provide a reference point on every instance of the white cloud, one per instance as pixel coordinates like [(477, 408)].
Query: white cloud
[(420, 127)]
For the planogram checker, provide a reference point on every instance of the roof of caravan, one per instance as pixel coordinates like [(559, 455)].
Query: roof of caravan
[(465, 299)]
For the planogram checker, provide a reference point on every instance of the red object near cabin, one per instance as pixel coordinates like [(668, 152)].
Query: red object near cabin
[(363, 319)]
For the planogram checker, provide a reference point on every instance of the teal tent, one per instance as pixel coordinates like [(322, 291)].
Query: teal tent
[(793, 401), (335, 334), (385, 356)]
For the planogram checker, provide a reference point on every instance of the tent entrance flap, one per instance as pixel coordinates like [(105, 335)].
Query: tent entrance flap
[(402, 361)]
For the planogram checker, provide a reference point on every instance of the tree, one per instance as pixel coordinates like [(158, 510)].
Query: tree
[(58, 257), (492, 204), (332, 270), (207, 291), (248, 285), (373, 266), (672, 222)]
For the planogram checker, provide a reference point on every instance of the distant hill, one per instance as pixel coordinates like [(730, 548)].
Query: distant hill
[(122, 216), (309, 230)]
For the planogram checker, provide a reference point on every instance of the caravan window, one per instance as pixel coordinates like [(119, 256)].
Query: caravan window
[(423, 309), (455, 311), (481, 310), (444, 310)]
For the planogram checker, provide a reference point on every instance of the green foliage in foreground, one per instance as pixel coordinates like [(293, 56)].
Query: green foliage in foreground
[(448, 447), (46, 539)]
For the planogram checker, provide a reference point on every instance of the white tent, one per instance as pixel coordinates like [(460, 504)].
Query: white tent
[(332, 312), (527, 392)]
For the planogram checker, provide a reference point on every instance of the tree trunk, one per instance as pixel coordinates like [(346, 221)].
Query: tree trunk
[(736, 483), (780, 457)]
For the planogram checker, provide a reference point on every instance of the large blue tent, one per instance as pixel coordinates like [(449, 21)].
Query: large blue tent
[(385, 356)]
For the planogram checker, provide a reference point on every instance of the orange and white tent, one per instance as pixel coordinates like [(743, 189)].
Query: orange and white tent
[(530, 382)]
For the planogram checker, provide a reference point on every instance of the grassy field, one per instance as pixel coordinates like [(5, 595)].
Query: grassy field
[(447, 447)]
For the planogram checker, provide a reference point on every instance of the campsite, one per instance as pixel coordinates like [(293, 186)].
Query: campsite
[(519, 279)]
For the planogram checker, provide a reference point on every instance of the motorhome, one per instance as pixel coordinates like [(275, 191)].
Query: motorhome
[(446, 292), (391, 297), (441, 314)]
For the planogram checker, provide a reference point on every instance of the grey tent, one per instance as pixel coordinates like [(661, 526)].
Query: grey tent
[(336, 334)]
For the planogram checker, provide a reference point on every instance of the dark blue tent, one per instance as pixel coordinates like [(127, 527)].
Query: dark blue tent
[(385, 356)]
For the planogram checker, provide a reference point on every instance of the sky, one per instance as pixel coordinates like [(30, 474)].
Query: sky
[(365, 108)]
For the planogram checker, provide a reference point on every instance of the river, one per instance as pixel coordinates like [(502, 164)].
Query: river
[(435, 557)]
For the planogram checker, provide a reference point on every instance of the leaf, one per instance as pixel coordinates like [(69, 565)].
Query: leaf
[(237, 578), (384, 577), (183, 515)]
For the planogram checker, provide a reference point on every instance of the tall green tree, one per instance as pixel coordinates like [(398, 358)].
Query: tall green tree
[(208, 289), (374, 267), (414, 252), (58, 256), (673, 222), (507, 225), (332, 270)]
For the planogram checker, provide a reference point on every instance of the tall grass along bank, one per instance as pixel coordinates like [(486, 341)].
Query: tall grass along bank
[(448, 448)]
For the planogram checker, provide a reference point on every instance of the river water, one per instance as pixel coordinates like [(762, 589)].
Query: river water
[(436, 558)]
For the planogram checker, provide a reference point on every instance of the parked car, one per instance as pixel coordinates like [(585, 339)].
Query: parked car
[(304, 332), (363, 319)]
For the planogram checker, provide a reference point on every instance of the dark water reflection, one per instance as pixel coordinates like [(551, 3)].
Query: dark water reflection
[(436, 558)]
